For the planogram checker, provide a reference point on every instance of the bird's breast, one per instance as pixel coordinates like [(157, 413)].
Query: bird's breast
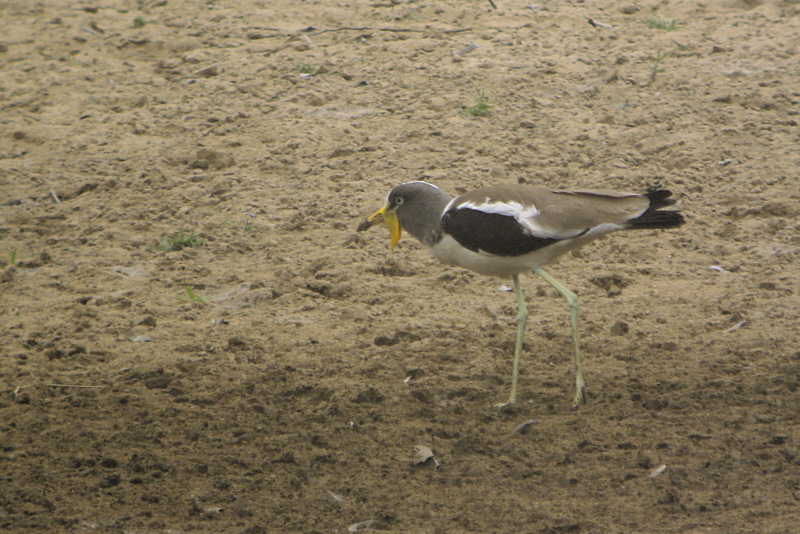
[(449, 251)]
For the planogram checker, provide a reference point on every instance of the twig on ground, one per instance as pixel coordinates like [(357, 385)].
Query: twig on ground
[(735, 327), (597, 24)]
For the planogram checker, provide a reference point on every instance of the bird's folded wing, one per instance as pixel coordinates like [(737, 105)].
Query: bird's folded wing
[(565, 214), (555, 214)]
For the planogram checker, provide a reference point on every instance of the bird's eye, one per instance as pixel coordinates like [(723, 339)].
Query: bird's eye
[(398, 200)]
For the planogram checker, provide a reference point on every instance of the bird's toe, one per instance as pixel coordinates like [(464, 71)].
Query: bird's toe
[(581, 397)]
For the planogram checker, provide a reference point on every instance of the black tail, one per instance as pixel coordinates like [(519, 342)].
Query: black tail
[(653, 218), (659, 198)]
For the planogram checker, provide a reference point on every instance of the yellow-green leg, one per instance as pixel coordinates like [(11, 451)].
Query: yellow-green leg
[(572, 301), (522, 319)]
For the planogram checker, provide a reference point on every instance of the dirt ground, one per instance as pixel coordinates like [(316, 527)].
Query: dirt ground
[(273, 370)]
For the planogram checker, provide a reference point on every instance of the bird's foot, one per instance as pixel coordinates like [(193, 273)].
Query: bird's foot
[(581, 396), (508, 406)]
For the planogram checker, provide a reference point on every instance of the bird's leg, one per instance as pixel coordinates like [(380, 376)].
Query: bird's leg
[(572, 301), (522, 319)]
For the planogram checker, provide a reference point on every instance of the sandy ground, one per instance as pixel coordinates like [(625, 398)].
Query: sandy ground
[(278, 372)]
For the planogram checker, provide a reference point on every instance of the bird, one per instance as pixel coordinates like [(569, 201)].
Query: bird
[(507, 230)]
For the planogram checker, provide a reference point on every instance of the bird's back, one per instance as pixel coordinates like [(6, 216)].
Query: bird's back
[(552, 213)]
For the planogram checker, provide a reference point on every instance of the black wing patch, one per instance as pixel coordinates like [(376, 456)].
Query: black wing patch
[(493, 233)]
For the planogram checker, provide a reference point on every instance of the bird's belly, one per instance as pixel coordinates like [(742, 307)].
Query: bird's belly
[(449, 251)]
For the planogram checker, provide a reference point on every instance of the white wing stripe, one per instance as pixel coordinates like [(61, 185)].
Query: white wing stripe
[(446, 208), (514, 209)]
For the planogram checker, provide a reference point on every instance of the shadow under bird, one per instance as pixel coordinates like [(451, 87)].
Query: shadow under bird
[(506, 230)]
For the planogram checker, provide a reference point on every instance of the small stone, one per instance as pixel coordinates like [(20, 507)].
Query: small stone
[(8, 274), (620, 328), (55, 354), (370, 396), (158, 382), (384, 341), (236, 343), (110, 481)]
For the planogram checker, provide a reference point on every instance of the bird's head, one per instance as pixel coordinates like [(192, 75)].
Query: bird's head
[(405, 205)]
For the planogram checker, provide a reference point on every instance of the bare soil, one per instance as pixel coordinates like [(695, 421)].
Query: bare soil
[(278, 373)]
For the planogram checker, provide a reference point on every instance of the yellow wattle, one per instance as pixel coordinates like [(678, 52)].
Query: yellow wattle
[(389, 218)]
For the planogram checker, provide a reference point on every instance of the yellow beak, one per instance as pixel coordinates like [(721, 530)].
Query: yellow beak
[(389, 218)]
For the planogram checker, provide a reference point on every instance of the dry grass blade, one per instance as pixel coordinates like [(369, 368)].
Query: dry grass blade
[(361, 525), (338, 499), (524, 427), (657, 471), (735, 327)]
